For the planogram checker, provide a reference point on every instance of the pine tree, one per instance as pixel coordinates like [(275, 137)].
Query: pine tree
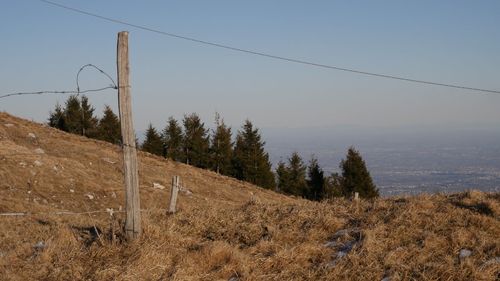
[(153, 142), (172, 138), (57, 118), (316, 180), (221, 148), (73, 115), (296, 174), (196, 141), (250, 161), (108, 128), (88, 120), (283, 177), (355, 176)]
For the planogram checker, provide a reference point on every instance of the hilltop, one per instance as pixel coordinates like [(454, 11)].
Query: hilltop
[(225, 229)]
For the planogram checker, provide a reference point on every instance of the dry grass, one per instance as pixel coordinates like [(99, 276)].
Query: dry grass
[(226, 229)]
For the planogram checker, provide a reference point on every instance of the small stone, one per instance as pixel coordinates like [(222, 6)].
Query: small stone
[(29, 191), (341, 254), (158, 186), (31, 135), (186, 191), (39, 246), (90, 196), (330, 244), (90, 163), (39, 151), (107, 160), (22, 164), (464, 253)]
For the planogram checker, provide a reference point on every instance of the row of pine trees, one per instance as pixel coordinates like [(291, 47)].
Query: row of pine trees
[(245, 158)]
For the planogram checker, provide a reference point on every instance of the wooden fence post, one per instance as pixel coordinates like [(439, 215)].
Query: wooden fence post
[(173, 194), (131, 176)]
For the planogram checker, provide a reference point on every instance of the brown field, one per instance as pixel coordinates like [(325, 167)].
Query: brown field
[(225, 229)]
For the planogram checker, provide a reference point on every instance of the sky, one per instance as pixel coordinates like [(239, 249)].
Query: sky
[(456, 42)]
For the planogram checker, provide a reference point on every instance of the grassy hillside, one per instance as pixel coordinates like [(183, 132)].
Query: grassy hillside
[(225, 229)]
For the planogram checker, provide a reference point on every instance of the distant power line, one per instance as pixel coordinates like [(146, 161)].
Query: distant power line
[(277, 57), (77, 91)]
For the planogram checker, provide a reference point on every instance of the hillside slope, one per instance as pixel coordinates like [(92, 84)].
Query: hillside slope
[(225, 229)]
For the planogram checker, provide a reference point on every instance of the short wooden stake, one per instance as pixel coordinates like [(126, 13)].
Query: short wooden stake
[(131, 175), (356, 196), (173, 194)]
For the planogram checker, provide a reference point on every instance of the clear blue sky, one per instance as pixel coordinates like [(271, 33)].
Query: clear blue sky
[(457, 42)]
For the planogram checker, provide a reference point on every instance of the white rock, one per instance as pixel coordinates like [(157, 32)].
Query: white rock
[(186, 191), (464, 253), (37, 163), (90, 196), (31, 135), (39, 151), (29, 191), (39, 246), (158, 186), (90, 163), (55, 169)]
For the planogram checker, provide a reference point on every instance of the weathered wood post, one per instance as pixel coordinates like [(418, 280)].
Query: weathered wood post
[(173, 194), (131, 176)]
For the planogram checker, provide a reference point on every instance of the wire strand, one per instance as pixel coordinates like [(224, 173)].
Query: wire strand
[(277, 57), (78, 91)]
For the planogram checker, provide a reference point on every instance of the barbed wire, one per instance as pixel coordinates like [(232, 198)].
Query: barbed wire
[(77, 91)]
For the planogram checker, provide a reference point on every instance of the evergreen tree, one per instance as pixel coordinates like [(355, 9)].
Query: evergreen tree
[(57, 118), (88, 120), (153, 142), (172, 138), (333, 186), (283, 177), (355, 176), (108, 127), (250, 161), (221, 148), (196, 141), (316, 180), (73, 115), (296, 176)]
